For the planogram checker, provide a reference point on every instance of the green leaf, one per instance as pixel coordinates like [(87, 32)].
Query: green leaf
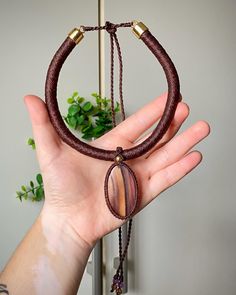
[(73, 109), (87, 136), (103, 121), (23, 188), (70, 100), (87, 106), (86, 128), (39, 194), (98, 129), (31, 143), (39, 179), (94, 111), (80, 99), (105, 103), (31, 184), (25, 196), (94, 94), (19, 196), (72, 121), (80, 119), (75, 94), (98, 101), (117, 108)]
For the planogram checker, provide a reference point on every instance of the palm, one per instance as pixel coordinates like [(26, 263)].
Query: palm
[(83, 179), (74, 183)]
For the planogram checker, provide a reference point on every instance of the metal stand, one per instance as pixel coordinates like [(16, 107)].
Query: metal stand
[(95, 267)]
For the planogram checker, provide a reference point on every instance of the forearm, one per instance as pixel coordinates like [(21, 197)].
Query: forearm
[(50, 260)]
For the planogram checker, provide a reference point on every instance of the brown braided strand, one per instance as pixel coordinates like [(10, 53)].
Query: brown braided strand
[(127, 244), (99, 153), (120, 268), (121, 77), (112, 78)]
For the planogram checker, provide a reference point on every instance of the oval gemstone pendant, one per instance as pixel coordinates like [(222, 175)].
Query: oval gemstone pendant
[(121, 190)]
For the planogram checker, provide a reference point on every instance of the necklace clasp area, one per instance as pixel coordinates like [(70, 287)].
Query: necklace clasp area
[(77, 34), (138, 28)]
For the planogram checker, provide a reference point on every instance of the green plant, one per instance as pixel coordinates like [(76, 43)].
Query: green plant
[(91, 119), (31, 143), (32, 191)]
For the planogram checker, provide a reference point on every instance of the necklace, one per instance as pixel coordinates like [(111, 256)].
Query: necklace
[(120, 184)]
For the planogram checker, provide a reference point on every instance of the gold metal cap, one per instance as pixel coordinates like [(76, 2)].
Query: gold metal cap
[(138, 28), (76, 35)]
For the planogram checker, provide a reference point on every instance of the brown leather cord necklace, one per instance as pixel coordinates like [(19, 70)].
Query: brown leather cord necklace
[(120, 183)]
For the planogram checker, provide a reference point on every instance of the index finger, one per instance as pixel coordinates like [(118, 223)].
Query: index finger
[(134, 126)]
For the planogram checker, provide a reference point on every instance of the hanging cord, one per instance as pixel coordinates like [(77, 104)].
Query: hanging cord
[(111, 29), (118, 279)]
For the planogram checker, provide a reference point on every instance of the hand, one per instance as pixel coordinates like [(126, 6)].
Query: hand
[(74, 183)]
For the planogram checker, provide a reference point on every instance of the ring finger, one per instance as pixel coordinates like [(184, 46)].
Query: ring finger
[(176, 148)]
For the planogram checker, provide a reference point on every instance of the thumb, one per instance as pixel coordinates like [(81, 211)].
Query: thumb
[(46, 139)]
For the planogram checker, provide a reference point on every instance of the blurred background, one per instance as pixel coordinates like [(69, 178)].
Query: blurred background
[(184, 242)]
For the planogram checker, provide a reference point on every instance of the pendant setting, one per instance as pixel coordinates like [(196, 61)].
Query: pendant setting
[(121, 189)]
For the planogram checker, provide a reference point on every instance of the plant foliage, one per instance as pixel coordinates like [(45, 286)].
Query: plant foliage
[(92, 119)]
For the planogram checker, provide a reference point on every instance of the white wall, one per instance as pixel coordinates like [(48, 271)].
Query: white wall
[(184, 242)]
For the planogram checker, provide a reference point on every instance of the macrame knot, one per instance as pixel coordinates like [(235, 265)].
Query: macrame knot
[(118, 156), (110, 27)]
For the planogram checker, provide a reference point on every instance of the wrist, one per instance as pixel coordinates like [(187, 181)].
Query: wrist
[(60, 234), (56, 258)]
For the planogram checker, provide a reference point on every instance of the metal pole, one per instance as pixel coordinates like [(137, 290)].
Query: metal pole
[(97, 257), (97, 274)]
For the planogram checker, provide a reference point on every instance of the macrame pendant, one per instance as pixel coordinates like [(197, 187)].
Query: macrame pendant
[(121, 188)]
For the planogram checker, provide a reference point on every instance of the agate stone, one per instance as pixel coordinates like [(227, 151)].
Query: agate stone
[(121, 190)]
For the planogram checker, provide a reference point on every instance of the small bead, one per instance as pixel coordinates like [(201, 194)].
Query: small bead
[(118, 158)]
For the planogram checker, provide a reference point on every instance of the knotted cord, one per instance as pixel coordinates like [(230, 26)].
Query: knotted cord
[(118, 279)]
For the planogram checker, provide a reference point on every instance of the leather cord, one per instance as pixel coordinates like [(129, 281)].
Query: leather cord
[(99, 153)]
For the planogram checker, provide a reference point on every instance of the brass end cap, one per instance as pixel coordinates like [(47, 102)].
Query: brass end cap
[(138, 28), (76, 35)]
